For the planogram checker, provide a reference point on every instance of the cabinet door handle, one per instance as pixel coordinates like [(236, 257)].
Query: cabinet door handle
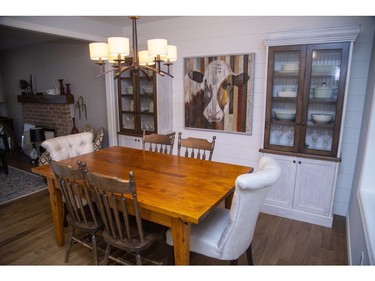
[(299, 162), (294, 161)]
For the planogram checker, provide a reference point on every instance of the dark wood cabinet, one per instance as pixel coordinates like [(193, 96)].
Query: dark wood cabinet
[(144, 103), (305, 98)]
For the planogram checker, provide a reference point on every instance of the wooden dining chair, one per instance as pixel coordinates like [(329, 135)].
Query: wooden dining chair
[(226, 234), (82, 212), (116, 197), (196, 147), (158, 142)]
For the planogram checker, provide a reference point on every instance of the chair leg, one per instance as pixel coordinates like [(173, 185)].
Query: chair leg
[(107, 252), (138, 258), (170, 255), (94, 249), (249, 253), (65, 212), (69, 247), (234, 262)]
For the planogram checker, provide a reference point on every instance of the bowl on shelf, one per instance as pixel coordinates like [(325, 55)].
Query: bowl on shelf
[(129, 90), (322, 118), (323, 92), (285, 115), (286, 94)]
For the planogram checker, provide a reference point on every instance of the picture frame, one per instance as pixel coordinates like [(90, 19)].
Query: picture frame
[(219, 93)]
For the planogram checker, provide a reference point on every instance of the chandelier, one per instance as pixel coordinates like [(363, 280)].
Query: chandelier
[(117, 49)]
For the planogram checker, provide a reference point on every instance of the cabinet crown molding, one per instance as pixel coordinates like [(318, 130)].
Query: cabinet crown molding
[(312, 36)]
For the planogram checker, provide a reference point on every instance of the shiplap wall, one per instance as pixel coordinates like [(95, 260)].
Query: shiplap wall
[(201, 36)]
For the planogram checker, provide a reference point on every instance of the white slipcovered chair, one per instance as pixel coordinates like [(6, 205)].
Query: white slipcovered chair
[(68, 146), (227, 234)]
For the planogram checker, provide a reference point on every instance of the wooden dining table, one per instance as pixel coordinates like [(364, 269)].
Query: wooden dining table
[(173, 191)]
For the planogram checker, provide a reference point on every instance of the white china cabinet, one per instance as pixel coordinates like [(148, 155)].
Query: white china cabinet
[(307, 84)]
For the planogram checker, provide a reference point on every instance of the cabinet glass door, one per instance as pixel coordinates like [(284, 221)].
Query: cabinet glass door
[(324, 91), (147, 102), (283, 97), (127, 103), (137, 102)]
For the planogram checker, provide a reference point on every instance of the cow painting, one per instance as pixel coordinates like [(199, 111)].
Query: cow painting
[(217, 93)]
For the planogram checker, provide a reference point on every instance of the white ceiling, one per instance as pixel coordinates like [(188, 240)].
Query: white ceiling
[(11, 38)]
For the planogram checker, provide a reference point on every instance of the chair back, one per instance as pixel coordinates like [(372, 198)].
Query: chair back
[(76, 194), (158, 143), (64, 147), (4, 145), (250, 192), (114, 208), (196, 147)]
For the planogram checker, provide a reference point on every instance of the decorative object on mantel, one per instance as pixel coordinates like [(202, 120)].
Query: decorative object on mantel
[(68, 89), (62, 90), (25, 87), (118, 47), (219, 92), (81, 106)]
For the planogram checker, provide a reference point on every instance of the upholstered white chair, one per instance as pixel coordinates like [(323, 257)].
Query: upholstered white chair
[(227, 234), (68, 146)]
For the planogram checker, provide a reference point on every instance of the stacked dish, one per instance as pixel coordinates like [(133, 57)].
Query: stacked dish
[(322, 118), (129, 90), (287, 94), (148, 90), (285, 115), (290, 67)]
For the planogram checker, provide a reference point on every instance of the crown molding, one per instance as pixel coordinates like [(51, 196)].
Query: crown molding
[(312, 36)]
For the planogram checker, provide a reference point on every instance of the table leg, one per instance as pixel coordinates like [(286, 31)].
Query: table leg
[(181, 241), (57, 211), (228, 201)]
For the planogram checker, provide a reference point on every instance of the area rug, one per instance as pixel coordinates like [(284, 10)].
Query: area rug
[(19, 184)]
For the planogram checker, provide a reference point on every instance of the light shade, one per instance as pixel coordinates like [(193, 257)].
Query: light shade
[(118, 45), (98, 51), (157, 47), (37, 134), (172, 53), (144, 58)]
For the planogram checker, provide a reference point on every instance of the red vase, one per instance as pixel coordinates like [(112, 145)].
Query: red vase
[(74, 129)]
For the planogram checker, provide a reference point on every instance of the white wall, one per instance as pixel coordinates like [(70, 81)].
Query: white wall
[(198, 36), (66, 59)]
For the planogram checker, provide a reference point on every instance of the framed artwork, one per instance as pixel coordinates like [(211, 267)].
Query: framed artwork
[(218, 93)]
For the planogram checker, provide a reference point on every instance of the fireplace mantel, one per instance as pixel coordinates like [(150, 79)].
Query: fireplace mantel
[(62, 99)]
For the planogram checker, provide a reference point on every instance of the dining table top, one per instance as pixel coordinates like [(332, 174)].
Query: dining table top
[(176, 186)]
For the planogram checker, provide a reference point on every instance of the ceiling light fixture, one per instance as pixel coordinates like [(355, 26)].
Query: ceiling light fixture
[(117, 49)]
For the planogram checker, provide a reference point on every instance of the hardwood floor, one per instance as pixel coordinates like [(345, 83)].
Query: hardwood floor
[(27, 238)]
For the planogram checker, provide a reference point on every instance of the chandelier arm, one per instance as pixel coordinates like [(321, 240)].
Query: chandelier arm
[(153, 69), (105, 72), (166, 73), (119, 71)]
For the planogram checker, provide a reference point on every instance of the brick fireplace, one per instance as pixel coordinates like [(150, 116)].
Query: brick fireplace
[(52, 112)]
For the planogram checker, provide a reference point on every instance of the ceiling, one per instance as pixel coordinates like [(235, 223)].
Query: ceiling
[(15, 38)]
